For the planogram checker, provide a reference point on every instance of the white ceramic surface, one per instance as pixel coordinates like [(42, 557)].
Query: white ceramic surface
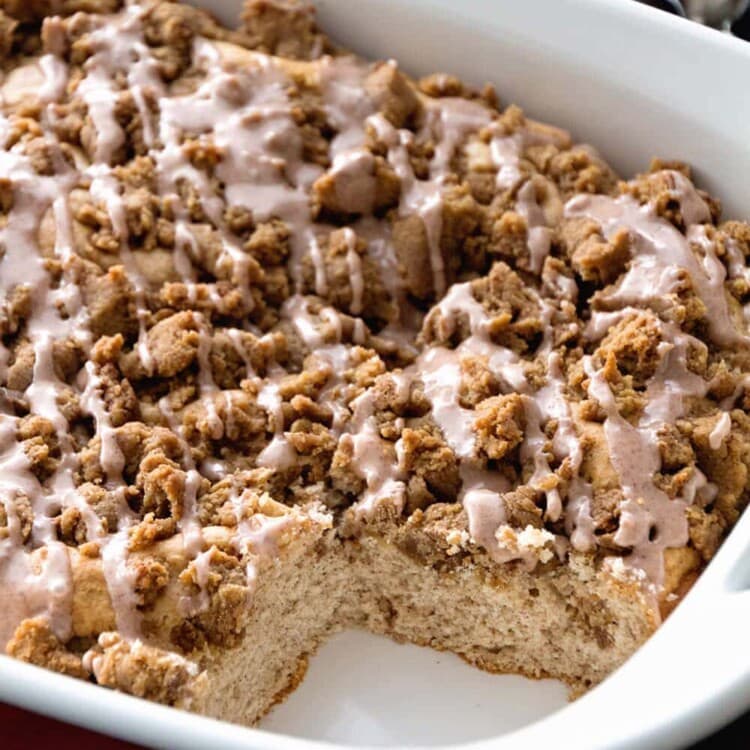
[(636, 83), (363, 689)]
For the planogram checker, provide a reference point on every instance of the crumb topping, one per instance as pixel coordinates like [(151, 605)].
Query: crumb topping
[(250, 281)]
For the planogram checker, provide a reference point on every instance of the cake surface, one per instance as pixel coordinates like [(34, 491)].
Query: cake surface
[(292, 342)]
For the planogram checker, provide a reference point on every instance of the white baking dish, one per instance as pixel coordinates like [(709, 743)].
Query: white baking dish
[(636, 83)]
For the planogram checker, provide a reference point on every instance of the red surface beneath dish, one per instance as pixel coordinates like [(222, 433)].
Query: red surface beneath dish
[(22, 730)]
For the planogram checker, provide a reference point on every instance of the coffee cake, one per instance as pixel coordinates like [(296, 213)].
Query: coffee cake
[(292, 342)]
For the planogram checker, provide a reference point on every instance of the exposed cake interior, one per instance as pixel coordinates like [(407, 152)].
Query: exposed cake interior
[(292, 342)]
